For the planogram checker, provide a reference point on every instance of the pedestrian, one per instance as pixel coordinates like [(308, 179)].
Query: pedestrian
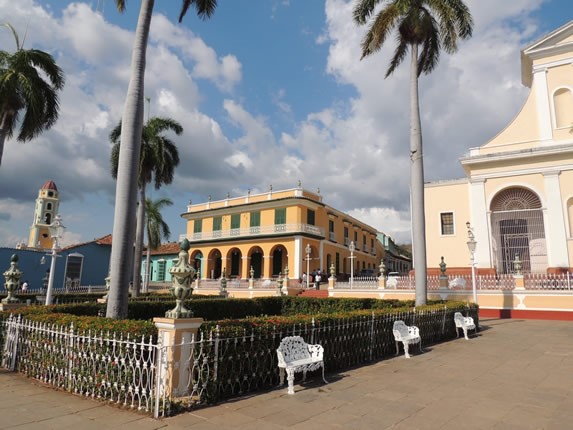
[(317, 280), (304, 277), (25, 286)]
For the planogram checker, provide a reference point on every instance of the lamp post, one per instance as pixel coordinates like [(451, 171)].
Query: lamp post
[(472, 248), (352, 248), (56, 232), (308, 250)]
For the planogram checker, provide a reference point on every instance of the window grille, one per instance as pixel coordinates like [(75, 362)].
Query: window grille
[(447, 223), (161, 270), (518, 231)]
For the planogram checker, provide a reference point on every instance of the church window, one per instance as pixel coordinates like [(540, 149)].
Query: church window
[(563, 107), (49, 206), (447, 223)]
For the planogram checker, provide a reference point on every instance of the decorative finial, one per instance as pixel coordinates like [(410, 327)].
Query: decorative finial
[(271, 187), (228, 194), (249, 192), (318, 191), (299, 184), (209, 198)]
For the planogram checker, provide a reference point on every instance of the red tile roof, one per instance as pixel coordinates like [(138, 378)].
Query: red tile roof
[(166, 248), (49, 185)]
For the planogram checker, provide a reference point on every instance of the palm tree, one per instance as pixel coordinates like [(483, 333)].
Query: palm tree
[(432, 25), (29, 82), (157, 229), (158, 158), (128, 161)]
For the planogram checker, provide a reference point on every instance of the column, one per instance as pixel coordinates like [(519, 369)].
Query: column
[(479, 222), (298, 258), (245, 267), (267, 264), (175, 335), (554, 221), (543, 108)]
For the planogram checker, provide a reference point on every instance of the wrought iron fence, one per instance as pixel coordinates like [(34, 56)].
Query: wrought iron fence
[(359, 283), (222, 367), (111, 367)]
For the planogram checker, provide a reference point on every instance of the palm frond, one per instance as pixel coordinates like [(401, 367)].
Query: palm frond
[(204, 8), (399, 55)]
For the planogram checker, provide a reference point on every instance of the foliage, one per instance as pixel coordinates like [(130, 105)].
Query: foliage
[(30, 81)]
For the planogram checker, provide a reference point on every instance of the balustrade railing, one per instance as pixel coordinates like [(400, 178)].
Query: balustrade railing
[(264, 230)]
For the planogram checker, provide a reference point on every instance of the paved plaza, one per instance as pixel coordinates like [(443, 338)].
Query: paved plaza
[(516, 374)]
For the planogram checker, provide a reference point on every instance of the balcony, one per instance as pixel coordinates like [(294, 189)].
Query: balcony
[(250, 232), (332, 236)]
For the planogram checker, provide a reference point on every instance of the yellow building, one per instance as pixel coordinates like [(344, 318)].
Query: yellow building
[(518, 193), (272, 231)]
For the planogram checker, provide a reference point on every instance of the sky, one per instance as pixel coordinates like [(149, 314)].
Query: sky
[(268, 92)]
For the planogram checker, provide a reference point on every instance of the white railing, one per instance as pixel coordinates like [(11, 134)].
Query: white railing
[(540, 281), (359, 283), (264, 230), (111, 367)]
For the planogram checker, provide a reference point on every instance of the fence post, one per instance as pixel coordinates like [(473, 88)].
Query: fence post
[(176, 336), (372, 336), (70, 354)]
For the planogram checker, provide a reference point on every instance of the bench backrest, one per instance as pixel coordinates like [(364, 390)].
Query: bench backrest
[(292, 348), (459, 319), (400, 329)]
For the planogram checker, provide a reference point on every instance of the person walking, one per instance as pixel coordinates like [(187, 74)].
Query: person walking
[(317, 280)]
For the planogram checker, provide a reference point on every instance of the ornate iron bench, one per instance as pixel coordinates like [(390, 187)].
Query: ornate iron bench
[(408, 335), (465, 323), (295, 355)]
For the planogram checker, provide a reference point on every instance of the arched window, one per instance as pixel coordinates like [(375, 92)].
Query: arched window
[(570, 215), (518, 231), (563, 106), (49, 206)]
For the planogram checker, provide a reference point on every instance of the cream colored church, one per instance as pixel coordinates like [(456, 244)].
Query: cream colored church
[(518, 193)]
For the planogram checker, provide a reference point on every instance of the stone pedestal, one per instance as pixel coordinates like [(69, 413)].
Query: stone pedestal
[(176, 335), (519, 282), (11, 306), (382, 282), (443, 283)]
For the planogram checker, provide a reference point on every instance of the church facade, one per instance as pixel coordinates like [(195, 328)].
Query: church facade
[(517, 197)]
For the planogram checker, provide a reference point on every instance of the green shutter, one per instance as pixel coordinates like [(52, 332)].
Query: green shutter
[(310, 217), (236, 221), (217, 223), (255, 219), (280, 216), (198, 226)]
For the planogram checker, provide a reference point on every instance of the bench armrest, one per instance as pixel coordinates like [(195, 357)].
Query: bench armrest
[(413, 330)]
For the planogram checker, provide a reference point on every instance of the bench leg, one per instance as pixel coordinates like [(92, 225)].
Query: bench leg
[(325, 381), (304, 375), (406, 347), (397, 348), (290, 379), (421, 350), (281, 376), (465, 332), (457, 332)]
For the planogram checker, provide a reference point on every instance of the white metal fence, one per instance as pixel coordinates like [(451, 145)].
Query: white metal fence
[(111, 367)]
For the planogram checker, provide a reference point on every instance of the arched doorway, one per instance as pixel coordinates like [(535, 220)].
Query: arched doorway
[(517, 230), (257, 262), (197, 263), (279, 254), (214, 264), (234, 256)]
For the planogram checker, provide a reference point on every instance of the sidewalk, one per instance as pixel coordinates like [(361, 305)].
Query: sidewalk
[(516, 375)]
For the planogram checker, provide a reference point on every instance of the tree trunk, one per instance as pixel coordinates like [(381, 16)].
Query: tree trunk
[(128, 171), (417, 184), (140, 224), (3, 134)]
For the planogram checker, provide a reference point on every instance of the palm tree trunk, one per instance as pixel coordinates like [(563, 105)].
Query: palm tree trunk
[(3, 134), (417, 183), (128, 171), (138, 243)]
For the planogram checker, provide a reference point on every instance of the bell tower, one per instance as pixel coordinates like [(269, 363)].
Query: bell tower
[(47, 205)]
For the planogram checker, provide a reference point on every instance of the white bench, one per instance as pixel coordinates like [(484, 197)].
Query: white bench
[(465, 323), (295, 355), (408, 335)]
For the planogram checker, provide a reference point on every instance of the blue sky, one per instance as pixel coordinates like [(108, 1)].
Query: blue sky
[(268, 92)]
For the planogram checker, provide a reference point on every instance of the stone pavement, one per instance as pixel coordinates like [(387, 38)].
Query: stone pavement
[(515, 375)]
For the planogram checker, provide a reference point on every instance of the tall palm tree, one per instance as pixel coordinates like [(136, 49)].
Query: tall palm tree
[(431, 25), (156, 228), (29, 83), (128, 162), (158, 159)]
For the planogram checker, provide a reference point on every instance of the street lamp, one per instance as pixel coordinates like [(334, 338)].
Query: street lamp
[(472, 248), (56, 233), (308, 250), (352, 248)]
